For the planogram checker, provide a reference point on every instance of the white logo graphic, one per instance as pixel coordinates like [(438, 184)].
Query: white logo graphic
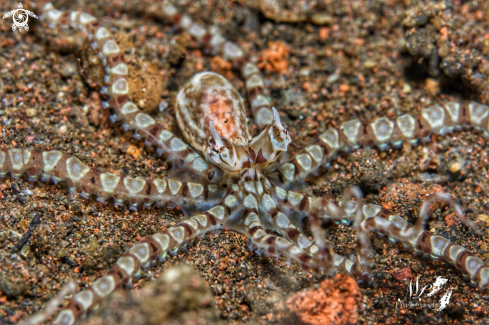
[(20, 17), (439, 282)]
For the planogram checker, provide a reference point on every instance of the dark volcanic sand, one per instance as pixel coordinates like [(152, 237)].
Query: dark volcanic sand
[(355, 65)]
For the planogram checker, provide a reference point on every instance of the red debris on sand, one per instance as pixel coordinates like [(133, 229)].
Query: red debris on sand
[(336, 301), (274, 59), (404, 274)]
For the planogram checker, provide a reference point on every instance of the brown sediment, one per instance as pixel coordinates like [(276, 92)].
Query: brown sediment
[(361, 69), (179, 296)]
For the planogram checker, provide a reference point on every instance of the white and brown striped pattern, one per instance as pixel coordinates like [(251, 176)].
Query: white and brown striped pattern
[(291, 249), (118, 90), (210, 38), (143, 254), (274, 245), (59, 167), (414, 238), (382, 132)]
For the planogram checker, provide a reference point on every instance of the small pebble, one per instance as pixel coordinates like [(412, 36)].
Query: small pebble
[(432, 86), (370, 64), (133, 151), (321, 19), (27, 192), (483, 217), (333, 78), (443, 50), (406, 88), (344, 88), (30, 112), (455, 167), (63, 129)]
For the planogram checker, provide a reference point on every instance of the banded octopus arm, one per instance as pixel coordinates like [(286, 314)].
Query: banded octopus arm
[(56, 166), (382, 132), (118, 91), (143, 255), (366, 220), (377, 219), (279, 246), (289, 208), (279, 205)]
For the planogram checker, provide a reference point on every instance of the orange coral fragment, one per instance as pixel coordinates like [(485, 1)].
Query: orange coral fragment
[(336, 301), (222, 66), (274, 59)]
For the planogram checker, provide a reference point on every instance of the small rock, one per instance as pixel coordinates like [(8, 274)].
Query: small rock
[(133, 151), (333, 78), (179, 296), (370, 64), (11, 286), (163, 106), (30, 112), (63, 252), (27, 192), (68, 69), (432, 86), (344, 88), (335, 301), (406, 88), (94, 245), (63, 129), (404, 274), (377, 243), (25, 251), (456, 169), (321, 19), (444, 50), (483, 217), (456, 311)]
